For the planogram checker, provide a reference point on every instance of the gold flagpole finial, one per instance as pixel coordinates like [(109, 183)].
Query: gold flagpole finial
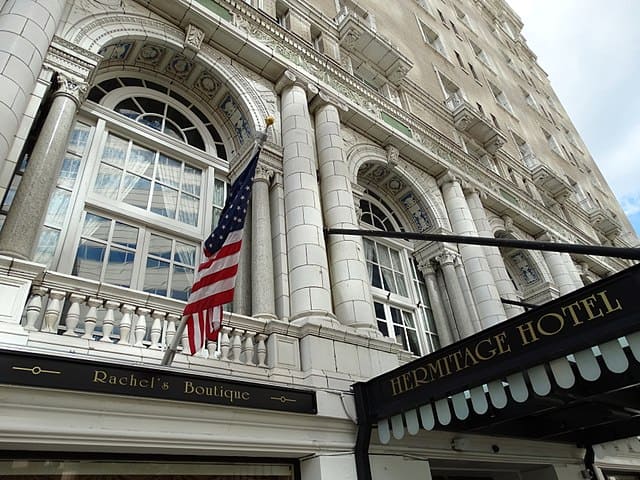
[(269, 120)]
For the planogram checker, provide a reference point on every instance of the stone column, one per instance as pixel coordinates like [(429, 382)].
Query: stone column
[(19, 234), (28, 27), (466, 293), (309, 282), (573, 271), (559, 269), (262, 291), (279, 247), (242, 293), (350, 285), (456, 298), (494, 256), (483, 288), (437, 303)]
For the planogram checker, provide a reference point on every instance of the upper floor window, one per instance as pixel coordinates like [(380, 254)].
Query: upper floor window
[(463, 17), (432, 39), (480, 54), (500, 97)]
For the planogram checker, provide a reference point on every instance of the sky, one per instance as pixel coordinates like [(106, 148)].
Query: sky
[(591, 51)]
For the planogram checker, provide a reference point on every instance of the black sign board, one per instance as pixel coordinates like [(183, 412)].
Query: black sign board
[(589, 316), (35, 370)]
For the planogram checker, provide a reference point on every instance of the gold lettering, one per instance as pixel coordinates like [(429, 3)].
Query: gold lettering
[(456, 359), (188, 387), (558, 317), (396, 388), (500, 339), (572, 312), (527, 328), (588, 306), (420, 380), (607, 303), (491, 352), (406, 378), (100, 376), (469, 356), (245, 395)]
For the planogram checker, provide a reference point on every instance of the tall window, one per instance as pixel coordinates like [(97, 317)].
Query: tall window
[(432, 39), (401, 302)]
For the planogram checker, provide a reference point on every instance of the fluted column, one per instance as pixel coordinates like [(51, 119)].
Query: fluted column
[(19, 234), (483, 288), (279, 247), (466, 293), (262, 293), (350, 285), (436, 301), (573, 271), (559, 270), (494, 256), (242, 293), (309, 282), (28, 27), (456, 297)]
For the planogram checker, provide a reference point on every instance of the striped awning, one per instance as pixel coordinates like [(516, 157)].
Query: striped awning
[(566, 371)]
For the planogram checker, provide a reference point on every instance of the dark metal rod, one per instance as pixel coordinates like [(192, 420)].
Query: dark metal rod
[(603, 251), (526, 305)]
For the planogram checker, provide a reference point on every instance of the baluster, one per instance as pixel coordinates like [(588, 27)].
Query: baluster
[(261, 350), (236, 344), (109, 320), (224, 343), (52, 313), (185, 341), (141, 326), (171, 327), (247, 348), (211, 348), (91, 317), (34, 307), (156, 329), (73, 315), (125, 324)]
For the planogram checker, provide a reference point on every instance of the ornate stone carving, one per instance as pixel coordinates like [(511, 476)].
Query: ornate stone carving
[(71, 88), (392, 156), (263, 173), (193, 38)]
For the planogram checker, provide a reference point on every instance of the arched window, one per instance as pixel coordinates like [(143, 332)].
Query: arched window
[(132, 204), (401, 302)]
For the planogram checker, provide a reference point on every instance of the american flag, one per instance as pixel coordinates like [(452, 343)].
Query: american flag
[(216, 276)]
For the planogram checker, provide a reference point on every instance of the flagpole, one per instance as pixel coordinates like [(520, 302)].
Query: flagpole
[(170, 353)]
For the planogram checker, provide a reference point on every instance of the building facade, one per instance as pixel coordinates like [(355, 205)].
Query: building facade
[(123, 123)]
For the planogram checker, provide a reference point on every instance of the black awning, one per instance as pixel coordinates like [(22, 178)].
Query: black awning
[(566, 371)]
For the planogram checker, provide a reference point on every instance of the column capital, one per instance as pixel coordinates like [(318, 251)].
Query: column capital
[(68, 87), (290, 78), (324, 99), (428, 252), (470, 189), (448, 257), (449, 177), (264, 173)]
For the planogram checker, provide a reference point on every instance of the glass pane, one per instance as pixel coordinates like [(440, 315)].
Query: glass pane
[(11, 192), (156, 277), (47, 244), (89, 259), (136, 191), (181, 282), (370, 250), (119, 267), (396, 316), (125, 235), (172, 130), (69, 171), (185, 254), (408, 319), (178, 118), (379, 309), (385, 260), (414, 345), (152, 120), (150, 105), (96, 226), (79, 137), (128, 108), (387, 280), (160, 246), (169, 171), (115, 150), (193, 179), (164, 201), (395, 259), (374, 274), (188, 212), (108, 181), (382, 326), (402, 287), (194, 138), (57, 209), (141, 161)]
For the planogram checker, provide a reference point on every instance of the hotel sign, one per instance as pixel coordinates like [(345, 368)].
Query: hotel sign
[(590, 316), (34, 370)]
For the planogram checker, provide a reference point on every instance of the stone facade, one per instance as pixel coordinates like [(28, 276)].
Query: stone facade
[(125, 121)]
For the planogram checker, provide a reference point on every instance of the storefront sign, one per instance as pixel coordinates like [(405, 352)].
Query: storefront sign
[(34, 370)]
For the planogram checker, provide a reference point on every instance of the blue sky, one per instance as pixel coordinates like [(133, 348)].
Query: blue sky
[(591, 51)]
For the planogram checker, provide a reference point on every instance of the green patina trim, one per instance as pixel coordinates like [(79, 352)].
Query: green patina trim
[(398, 125), (507, 196), (216, 8)]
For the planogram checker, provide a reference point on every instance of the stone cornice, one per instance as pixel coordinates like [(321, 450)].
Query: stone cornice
[(74, 62)]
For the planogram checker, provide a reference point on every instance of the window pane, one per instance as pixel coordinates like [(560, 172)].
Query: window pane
[(414, 345), (374, 273), (172, 130), (382, 326), (152, 120), (150, 105), (128, 108), (96, 226), (185, 254), (191, 184), (69, 171), (115, 151), (385, 260), (156, 277), (108, 181), (164, 201), (141, 161), (119, 267), (189, 207), (57, 210), (79, 137), (125, 235), (136, 191), (387, 280), (181, 282), (169, 171), (178, 118), (160, 246), (395, 258), (402, 287), (47, 244), (89, 259)]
